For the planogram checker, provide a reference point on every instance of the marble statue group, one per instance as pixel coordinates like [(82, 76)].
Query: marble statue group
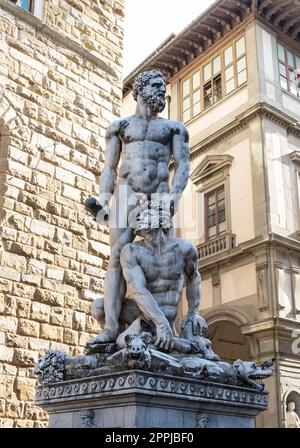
[(149, 266)]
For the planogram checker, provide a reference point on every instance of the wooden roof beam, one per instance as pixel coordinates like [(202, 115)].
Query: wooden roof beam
[(272, 10), (254, 5), (281, 8), (228, 12), (162, 68), (282, 15), (235, 14), (165, 64), (216, 30), (264, 4), (197, 34), (225, 21), (199, 40), (202, 36), (183, 50), (208, 32), (178, 58), (296, 31), (192, 43), (290, 22), (214, 23), (211, 29), (200, 50), (192, 57), (240, 4), (172, 59)]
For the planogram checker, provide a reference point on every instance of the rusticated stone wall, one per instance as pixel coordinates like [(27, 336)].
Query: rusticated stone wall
[(60, 88), (95, 24)]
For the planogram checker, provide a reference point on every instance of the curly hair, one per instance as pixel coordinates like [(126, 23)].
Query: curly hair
[(143, 79), (152, 215)]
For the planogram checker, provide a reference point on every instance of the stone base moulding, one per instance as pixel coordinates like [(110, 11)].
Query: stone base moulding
[(138, 399)]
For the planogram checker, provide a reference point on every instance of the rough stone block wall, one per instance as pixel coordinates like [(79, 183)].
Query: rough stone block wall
[(95, 24), (55, 105)]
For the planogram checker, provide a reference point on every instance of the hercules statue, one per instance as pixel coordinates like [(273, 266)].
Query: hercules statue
[(142, 146), (139, 324), (139, 330)]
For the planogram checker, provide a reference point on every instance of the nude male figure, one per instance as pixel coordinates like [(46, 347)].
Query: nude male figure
[(155, 269), (144, 144)]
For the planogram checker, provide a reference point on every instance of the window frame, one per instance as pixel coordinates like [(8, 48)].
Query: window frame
[(295, 158), (212, 81), (31, 7), (203, 83), (191, 94), (287, 67), (218, 234)]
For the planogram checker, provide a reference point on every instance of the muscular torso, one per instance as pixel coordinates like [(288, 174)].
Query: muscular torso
[(146, 153), (164, 273)]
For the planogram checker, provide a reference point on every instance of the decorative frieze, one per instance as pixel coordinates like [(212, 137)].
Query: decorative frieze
[(143, 383)]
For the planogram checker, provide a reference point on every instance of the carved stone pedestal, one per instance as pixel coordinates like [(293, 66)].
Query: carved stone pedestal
[(138, 399)]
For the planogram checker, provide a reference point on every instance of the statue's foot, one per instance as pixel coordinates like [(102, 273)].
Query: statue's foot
[(105, 337)]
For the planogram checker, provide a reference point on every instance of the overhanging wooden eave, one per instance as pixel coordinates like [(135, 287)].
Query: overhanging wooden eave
[(219, 19)]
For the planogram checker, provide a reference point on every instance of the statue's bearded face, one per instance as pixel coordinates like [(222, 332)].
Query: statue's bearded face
[(154, 94)]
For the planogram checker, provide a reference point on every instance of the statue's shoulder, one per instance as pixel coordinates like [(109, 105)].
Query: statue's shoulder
[(177, 128), (130, 249), (117, 126), (188, 248)]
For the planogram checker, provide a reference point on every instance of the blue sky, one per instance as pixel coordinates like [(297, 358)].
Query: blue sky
[(149, 22)]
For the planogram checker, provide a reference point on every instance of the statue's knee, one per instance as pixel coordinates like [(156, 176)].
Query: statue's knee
[(97, 310)]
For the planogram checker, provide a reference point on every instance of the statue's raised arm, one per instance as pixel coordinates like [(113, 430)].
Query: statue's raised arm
[(181, 157)]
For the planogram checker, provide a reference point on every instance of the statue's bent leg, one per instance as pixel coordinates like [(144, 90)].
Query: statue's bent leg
[(114, 287), (129, 311)]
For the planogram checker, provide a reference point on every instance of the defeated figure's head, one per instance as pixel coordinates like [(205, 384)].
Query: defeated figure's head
[(151, 216)]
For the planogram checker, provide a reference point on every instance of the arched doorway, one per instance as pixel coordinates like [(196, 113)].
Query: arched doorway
[(228, 341)]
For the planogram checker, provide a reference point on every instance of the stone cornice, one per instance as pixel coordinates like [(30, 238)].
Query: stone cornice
[(242, 120), (285, 327), (58, 38), (289, 243), (138, 383), (295, 157), (248, 249)]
